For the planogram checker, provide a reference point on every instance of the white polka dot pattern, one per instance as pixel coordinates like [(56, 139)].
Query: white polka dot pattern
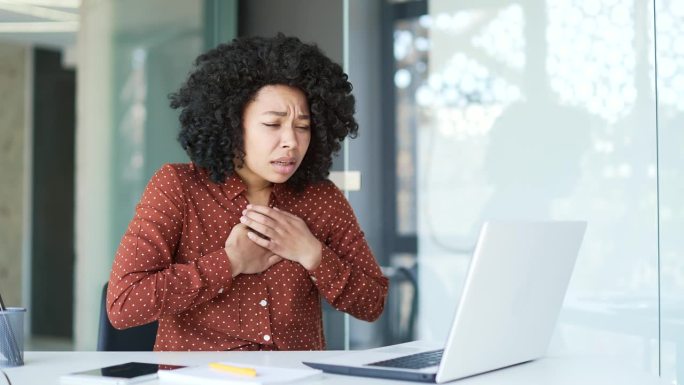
[(171, 266)]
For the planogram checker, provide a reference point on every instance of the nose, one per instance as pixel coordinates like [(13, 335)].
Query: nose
[(288, 138)]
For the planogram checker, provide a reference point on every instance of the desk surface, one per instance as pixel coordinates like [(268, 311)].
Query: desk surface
[(45, 368)]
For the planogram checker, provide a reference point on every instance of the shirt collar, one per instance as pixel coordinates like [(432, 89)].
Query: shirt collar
[(234, 186)]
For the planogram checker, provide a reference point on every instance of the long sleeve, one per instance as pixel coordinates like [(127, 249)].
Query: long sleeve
[(349, 277), (146, 282)]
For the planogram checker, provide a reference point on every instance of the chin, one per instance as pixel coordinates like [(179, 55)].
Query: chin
[(278, 178)]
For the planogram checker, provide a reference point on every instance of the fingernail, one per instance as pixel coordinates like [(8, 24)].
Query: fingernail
[(243, 219), (244, 212), (249, 206)]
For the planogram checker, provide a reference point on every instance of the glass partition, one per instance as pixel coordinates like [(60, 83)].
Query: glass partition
[(132, 54), (541, 110), (669, 17), (152, 58)]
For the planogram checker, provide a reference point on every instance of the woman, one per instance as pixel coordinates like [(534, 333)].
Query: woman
[(234, 250)]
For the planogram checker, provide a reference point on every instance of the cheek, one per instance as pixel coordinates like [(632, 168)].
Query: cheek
[(259, 145), (305, 140)]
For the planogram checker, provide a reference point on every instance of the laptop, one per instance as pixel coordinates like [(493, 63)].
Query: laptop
[(506, 315)]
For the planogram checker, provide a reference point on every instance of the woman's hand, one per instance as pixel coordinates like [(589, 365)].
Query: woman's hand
[(286, 235), (245, 256)]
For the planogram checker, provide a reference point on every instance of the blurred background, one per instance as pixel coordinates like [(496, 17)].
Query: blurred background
[(468, 110)]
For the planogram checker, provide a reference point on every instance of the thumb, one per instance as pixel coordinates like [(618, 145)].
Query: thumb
[(273, 259)]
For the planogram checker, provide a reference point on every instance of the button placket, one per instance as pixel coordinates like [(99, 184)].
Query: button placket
[(264, 313)]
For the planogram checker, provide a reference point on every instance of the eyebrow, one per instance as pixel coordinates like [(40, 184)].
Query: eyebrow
[(281, 113)]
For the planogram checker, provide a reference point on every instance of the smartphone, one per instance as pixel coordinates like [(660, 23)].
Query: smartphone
[(123, 374)]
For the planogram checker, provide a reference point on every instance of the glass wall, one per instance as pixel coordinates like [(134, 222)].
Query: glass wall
[(548, 110), (152, 57), (669, 17), (131, 57), (544, 111)]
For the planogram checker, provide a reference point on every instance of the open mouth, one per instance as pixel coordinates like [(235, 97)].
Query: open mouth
[(284, 167), (283, 163)]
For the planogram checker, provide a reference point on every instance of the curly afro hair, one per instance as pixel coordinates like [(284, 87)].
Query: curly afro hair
[(225, 79)]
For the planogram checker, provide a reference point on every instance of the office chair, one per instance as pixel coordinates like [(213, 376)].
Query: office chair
[(401, 314), (135, 339)]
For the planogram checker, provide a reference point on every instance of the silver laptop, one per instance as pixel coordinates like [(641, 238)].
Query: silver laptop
[(507, 313)]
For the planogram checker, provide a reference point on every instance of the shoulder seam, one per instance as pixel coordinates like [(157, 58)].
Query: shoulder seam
[(174, 172)]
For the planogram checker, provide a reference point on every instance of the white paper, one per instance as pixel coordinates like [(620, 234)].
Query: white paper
[(204, 375)]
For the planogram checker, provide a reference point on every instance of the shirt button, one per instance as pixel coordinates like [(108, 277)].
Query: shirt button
[(313, 278), (267, 337), (220, 291), (263, 303)]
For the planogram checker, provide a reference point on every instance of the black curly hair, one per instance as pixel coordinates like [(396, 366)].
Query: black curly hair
[(225, 79)]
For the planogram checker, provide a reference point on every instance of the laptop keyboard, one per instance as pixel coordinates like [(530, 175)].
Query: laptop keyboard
[(413, 361)]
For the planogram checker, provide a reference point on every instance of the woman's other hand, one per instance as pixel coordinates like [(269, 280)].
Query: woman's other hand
[(287, 235), (247, 257)]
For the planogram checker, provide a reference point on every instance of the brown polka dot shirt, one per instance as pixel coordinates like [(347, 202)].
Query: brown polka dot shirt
[(171, 266)]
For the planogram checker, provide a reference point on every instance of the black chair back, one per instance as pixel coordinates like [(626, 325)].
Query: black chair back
[(136, 339), (400, 315)]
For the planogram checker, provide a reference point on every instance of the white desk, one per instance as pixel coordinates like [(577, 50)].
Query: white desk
[(44, 368)]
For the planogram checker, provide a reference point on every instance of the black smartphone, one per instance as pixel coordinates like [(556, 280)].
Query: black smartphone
[(122, 374)]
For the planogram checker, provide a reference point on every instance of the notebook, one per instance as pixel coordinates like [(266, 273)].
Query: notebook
[(205, 375), (506, 315)]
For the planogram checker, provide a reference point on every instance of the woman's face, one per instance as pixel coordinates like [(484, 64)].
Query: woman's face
[(277, 132)]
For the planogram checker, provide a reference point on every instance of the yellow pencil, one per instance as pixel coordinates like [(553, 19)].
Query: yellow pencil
[(233, 369)]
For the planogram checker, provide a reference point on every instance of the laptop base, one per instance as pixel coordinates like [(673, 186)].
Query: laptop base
[(373, 372)]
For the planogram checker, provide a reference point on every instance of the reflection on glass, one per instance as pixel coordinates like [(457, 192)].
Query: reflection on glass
[(131, 127), (670, 54), (591, 56), (502, 37), (151, 57), (670, 32), (543, 111), (410, 54)]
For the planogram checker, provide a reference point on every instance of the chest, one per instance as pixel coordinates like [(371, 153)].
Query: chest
[(208, 220)]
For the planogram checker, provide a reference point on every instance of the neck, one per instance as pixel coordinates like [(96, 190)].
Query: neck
[(251, 190), (255, 185), (259, 192)]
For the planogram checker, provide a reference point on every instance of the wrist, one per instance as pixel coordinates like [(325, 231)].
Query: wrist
[(235, 266), (314, 260)]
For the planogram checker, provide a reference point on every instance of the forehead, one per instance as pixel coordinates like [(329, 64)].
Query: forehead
[(280, 96)]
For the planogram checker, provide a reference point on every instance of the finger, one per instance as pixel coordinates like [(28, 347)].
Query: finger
[(283, 219), (285, 213), (269, 212), (239, 226), (260, 218), (273, 259), (256, 226), (263, 242), (257, 233)]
